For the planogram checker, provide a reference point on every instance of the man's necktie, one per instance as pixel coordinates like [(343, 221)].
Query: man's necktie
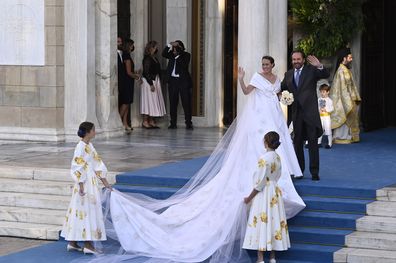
[(297, 78)]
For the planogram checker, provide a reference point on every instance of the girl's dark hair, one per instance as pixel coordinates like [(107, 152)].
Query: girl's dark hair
[(85, 128), (126, 44), (271, 59), (149, 45), (272, 140)]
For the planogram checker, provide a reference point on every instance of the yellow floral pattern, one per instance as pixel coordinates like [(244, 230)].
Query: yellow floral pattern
[(79, 160), (278, 191), (97, 157), (78, 175), (273, 167), (278, 235), (264, 217), (87, 149), (274, 201), (261, 163)]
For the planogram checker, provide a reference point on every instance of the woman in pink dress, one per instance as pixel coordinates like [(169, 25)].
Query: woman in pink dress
[(152, 103)]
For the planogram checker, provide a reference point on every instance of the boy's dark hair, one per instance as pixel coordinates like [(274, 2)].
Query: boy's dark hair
[(325, 87), (272, 140), (85, 127)]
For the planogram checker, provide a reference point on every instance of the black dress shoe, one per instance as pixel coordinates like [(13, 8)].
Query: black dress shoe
[(189, 127), (328, 146), (298, 177), (315, 177), (172, 127)]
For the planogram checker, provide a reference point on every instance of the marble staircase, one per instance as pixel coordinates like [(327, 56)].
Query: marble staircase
[(33, 201), (375, 238)]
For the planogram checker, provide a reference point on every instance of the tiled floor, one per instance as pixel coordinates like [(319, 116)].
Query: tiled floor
[(141, 149)]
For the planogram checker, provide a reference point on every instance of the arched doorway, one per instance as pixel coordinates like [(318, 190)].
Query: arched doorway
[(378, 86)]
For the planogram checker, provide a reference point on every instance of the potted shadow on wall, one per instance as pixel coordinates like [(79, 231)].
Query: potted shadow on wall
[(326, 26)]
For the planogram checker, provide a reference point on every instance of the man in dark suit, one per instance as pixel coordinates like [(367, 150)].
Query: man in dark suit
[(179, 82), (302, 81)]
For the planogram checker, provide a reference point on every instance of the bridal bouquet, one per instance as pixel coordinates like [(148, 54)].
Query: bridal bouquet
[(287, 98)]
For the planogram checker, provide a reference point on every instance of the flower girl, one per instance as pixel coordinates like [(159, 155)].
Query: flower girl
[(84, 218), (267, 226)]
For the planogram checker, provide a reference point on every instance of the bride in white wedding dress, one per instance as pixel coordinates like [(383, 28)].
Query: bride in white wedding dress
[(206, 219)]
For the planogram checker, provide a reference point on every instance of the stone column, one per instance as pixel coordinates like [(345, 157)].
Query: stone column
[(139, 33), (213, 60), (278, 35), (253, 41), (80, 102), (177, 25), (262, 30), (106, 67)]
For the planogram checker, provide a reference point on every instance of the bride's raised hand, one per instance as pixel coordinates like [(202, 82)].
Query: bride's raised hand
[(241, 73)]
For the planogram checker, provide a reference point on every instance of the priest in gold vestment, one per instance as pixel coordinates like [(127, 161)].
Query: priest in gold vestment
[(346, 98)]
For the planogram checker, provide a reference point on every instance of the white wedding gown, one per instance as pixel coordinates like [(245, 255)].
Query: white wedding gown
[(206, 219)]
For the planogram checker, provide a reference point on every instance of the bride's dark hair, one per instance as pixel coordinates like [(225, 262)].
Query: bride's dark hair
[(272, 140), (271, 59)]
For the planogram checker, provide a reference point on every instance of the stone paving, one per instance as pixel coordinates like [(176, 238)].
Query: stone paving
[(141, 149)]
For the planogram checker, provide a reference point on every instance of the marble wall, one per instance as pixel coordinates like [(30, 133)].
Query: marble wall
[(31, 97), (262, 30)]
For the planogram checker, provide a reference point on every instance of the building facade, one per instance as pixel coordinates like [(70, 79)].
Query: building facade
[(61, 63)]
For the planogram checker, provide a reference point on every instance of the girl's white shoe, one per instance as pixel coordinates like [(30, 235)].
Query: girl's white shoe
[(89, 251), (72, 248), (272, 260), (260, 261)]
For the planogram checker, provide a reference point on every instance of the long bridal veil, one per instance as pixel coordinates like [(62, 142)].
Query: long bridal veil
[(205, 220)]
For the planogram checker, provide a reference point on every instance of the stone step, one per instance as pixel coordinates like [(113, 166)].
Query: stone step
[(45, 174), (37, 187), (32, 215), (382, 208), (376, 224), (36, 173), (357, 255), (29, 230), (60, 202), (371, 240), (386, 194)]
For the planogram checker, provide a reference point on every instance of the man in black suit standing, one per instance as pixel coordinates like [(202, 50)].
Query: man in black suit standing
[(302, 81), (179, 82)]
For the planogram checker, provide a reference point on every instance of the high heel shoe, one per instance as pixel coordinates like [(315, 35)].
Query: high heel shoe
[(72, 248), (89, 251)]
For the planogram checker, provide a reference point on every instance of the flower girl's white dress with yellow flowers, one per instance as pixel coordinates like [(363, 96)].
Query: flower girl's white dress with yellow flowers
[(84, 217), (267, 225)]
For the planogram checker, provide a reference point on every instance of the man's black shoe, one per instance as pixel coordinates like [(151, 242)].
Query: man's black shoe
[(328, 146), (172, 127), (315, 178), (189, 127)]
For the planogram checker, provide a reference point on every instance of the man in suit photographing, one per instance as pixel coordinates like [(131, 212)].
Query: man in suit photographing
[(179, 82), (301, 80)]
